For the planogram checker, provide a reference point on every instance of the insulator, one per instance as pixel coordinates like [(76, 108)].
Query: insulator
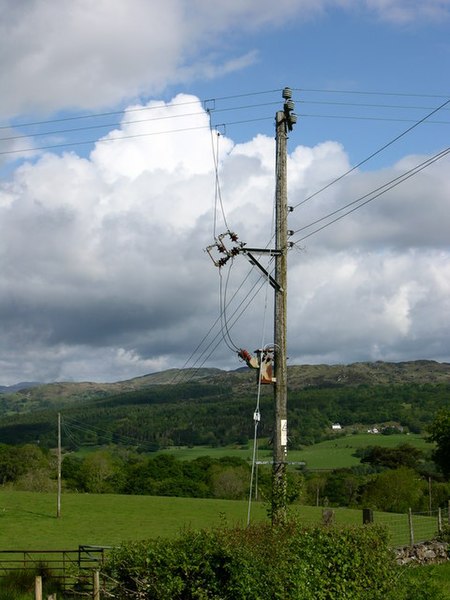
[(293, 118), (222, 261), (289, 105), (287, 93)]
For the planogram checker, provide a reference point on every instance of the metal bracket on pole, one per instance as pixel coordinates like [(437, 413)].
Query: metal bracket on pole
[(266, 273)]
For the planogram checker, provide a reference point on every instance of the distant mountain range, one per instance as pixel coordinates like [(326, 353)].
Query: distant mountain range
[(215, 407), (23, 385), (299, 377)]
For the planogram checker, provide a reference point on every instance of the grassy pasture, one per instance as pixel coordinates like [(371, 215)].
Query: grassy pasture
[(439, 574), (331, 454), (28, 520)]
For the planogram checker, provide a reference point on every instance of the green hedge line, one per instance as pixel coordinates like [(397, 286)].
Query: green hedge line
[(261, 563)]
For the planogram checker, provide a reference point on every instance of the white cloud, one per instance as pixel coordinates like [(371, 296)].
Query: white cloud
[(86, 54), (407, 11), (103, 274)]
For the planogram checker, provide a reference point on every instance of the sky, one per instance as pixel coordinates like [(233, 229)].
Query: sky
[(133, 134)]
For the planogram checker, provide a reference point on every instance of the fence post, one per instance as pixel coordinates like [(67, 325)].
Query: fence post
[(96, 595), (367, 516), (411, 529), (38, 588), (439, 520)]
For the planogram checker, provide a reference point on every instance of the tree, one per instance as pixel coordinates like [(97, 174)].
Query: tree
[(395, 491), (440, 434), (404, 455)]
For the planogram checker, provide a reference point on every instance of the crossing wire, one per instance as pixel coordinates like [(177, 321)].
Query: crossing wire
[(372, 195), (365, 160)]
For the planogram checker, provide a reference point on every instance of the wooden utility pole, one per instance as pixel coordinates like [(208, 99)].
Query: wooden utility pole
[(58, 500), (284, 121)]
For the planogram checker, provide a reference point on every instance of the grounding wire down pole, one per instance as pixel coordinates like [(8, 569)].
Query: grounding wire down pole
[(284, 121), (59, 459)]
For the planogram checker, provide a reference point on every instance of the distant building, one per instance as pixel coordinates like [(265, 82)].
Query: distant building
[(336, 427), (373, 430)]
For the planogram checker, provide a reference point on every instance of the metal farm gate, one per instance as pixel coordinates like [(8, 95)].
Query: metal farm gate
[(73, 569)]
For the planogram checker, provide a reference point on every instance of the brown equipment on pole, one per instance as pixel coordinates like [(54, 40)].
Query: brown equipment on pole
[(284, 121)]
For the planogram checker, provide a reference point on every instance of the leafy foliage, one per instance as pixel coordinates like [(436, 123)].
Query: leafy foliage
[(395, 491), (404, 455), (440, 434), (221, 414), (259, 562)]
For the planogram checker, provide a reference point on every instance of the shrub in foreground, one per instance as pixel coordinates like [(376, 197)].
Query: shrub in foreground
[(20, 584), (258, 563)]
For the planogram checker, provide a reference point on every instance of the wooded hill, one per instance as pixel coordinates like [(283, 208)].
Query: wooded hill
[(214, 407)]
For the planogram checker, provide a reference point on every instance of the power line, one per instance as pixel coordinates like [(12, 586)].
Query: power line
[(384, 188), (126, 137), (371, 93), (232, 321), (213, 108), (362, 162), (219, 99)]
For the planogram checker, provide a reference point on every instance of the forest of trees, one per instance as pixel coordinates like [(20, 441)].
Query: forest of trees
[(390, 479), (219, 415), (119, 435)]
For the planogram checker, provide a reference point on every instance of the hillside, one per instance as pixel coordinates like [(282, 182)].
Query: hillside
[(29, 396), (214, 407)]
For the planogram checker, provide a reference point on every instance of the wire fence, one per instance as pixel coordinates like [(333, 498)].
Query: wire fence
[(404, 529)]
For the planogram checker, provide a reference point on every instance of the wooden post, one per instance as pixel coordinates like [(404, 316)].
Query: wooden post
[(38, 588), (58, 499), (96, 585), (429, 497), (411, 529), (439, 520), (284, 121), (367, 516)]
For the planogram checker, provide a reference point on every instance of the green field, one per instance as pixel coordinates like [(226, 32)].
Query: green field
[(439, 574), (331, 454), (28, 520)]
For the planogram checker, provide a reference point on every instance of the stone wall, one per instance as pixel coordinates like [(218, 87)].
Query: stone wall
[(425, 553)]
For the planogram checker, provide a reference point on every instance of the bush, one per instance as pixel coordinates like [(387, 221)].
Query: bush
[(257, 563), (19, 584)]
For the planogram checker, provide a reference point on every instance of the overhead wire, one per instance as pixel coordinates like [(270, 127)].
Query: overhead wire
[(208, 110), (223, 309), (372, 195), (71, 425), (217, 99), (234, 318), (218, 334), (373, 154), (177, 104), (101, 432)]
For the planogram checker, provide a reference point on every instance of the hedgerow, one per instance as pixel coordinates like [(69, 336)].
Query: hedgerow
[(258, 563)]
